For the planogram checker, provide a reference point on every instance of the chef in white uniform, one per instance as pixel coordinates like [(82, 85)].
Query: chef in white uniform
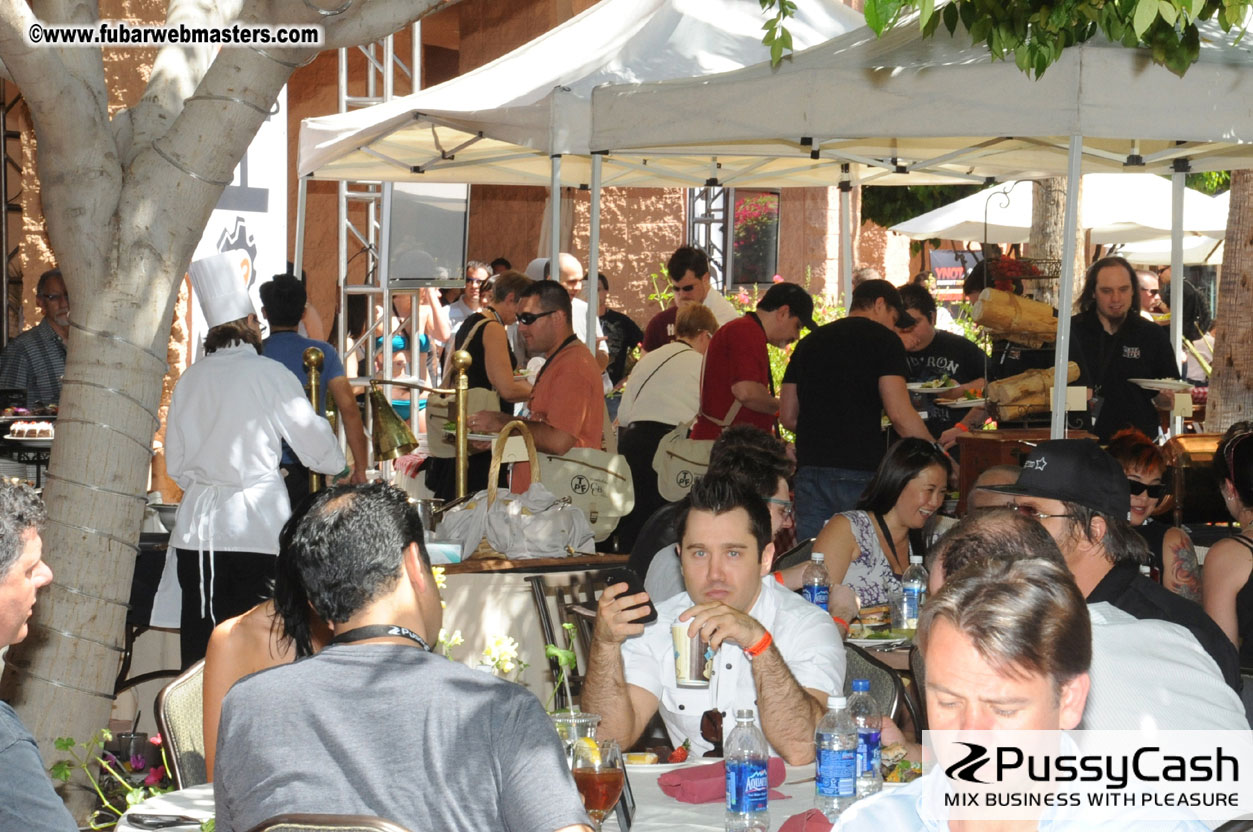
[(228, 417)]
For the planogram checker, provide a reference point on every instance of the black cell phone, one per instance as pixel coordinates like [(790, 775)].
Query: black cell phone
[(635, 586)]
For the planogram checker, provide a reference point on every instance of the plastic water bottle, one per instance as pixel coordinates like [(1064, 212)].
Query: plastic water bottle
[(748, 783), (817, 585), (836, 781), (914, 584), (866, 717)]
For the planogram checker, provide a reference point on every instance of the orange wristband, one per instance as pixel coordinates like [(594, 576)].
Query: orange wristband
[(962, 427), (840, 621), (760, 647), (778, 576)]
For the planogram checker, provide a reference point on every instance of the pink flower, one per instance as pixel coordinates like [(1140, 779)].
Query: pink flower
[(155, 775), (137, 762), (742, 297), (155, 739), (778, 278)]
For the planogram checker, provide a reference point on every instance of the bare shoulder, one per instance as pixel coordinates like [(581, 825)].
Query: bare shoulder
[(1229, 557), (249, 642)]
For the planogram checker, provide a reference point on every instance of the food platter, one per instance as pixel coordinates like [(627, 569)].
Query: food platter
[(1163, 385), (964, 403), (36, 442), (920, 387)]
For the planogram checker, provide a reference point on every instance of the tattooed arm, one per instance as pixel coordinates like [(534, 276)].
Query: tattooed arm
[(1180, 572)]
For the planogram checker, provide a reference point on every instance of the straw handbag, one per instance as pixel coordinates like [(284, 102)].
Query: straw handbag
[(535, 524)]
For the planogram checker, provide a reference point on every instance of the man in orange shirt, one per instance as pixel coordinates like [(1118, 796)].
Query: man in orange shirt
[(567, 404)]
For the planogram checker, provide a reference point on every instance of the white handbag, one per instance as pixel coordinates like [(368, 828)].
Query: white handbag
[(679, 461), (596, 481), (535, 524)]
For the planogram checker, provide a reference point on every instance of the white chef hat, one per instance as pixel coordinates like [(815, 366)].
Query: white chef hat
[(219, 285)]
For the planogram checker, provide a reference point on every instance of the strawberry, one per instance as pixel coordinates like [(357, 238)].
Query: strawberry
[(679, 755)]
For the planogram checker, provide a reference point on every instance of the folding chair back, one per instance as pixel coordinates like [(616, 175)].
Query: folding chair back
[(180, 719)]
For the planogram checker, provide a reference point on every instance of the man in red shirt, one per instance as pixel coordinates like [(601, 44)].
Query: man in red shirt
[(567, 404), (688, 269), (736, 386)]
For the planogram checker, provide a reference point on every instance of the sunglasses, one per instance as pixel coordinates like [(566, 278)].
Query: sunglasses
[(788, 508), (528, 318), (1156, 492), (711, 731), (1033, 512), (691, 287)]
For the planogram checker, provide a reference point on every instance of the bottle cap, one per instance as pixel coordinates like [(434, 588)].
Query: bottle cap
[(836, 703), (742, 714), (1144, 569), (817, 557), (861, 686), (915, 558)]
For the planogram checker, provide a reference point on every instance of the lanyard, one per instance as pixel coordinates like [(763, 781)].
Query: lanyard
[(380, 631), (543, 369), (887, 535)]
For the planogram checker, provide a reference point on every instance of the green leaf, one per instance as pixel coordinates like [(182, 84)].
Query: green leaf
[(979, 31), (135, 796), (968, 14), (950, 17), (874, 17), (61, 771), (926, 8), (1146, 13), (786, 37), (776, 52), (1168, 12), (932, 24), (64, 743)]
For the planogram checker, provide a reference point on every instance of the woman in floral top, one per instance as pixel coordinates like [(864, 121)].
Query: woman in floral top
[(868, 548)]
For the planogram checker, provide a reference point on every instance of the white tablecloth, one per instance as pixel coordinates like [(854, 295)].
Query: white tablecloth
[(655, 811)]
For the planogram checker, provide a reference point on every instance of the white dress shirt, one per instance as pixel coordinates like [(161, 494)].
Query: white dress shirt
[(664, 387), (228, 416), (723, 311), (805, 636), (1148, 673)]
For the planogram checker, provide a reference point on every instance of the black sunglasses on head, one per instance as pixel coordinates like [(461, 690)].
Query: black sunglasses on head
[(528, 318), (1156, 492)]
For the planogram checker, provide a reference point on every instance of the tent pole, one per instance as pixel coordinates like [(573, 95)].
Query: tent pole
[(554, 221), (593, 253), (1176, 272), (302, 205), (1066, 291), (846, 237)]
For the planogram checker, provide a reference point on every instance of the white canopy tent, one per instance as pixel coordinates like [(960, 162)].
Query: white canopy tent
[(904, 103), (1197, 251), (525, 118), (1115, 208)]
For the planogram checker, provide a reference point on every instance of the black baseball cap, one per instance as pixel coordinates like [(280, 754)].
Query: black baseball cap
[(1074, 471), (794, 297)]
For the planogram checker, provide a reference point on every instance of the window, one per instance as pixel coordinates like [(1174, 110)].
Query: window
[(755, 236)]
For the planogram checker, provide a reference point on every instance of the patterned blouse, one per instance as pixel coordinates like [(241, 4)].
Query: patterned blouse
[(869, 571)]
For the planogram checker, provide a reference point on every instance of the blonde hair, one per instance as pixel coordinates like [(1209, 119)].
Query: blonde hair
[(694, 319)]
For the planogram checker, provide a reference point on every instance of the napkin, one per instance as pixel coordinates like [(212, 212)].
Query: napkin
[(708, 784), (811, 821)]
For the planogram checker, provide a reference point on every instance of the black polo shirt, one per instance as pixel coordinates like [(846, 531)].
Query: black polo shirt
[(947, 355), (1124, 587), (1139, 349)]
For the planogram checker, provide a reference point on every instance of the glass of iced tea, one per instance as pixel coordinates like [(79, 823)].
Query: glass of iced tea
[(597, 770)]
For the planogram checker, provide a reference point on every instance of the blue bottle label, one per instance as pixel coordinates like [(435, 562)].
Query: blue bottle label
[(820, 595), (915, 597), (867, 751), (748, 786), (837, 771)]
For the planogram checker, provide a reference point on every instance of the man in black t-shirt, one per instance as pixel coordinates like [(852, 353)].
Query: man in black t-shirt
[(936, 354), (841, 378), (621, 334), (1120, 345)]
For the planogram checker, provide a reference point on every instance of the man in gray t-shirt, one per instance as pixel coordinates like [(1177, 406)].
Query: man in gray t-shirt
[(375, 724)]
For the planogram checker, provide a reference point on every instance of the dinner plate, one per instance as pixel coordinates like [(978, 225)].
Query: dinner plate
[(474, 437), (662, 768), (1166, 385), (878, 643), (32, 441), (964, 403), (917, 387)]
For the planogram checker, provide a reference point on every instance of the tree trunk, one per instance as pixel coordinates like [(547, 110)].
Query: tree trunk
[(126, 202), (1048, 221), (1231, 386)]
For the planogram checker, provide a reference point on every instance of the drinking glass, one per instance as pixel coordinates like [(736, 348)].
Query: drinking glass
[(572, 726), (597, 769)]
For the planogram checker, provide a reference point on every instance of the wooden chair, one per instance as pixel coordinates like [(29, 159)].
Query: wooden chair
[(295, 822), (180, 719)]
